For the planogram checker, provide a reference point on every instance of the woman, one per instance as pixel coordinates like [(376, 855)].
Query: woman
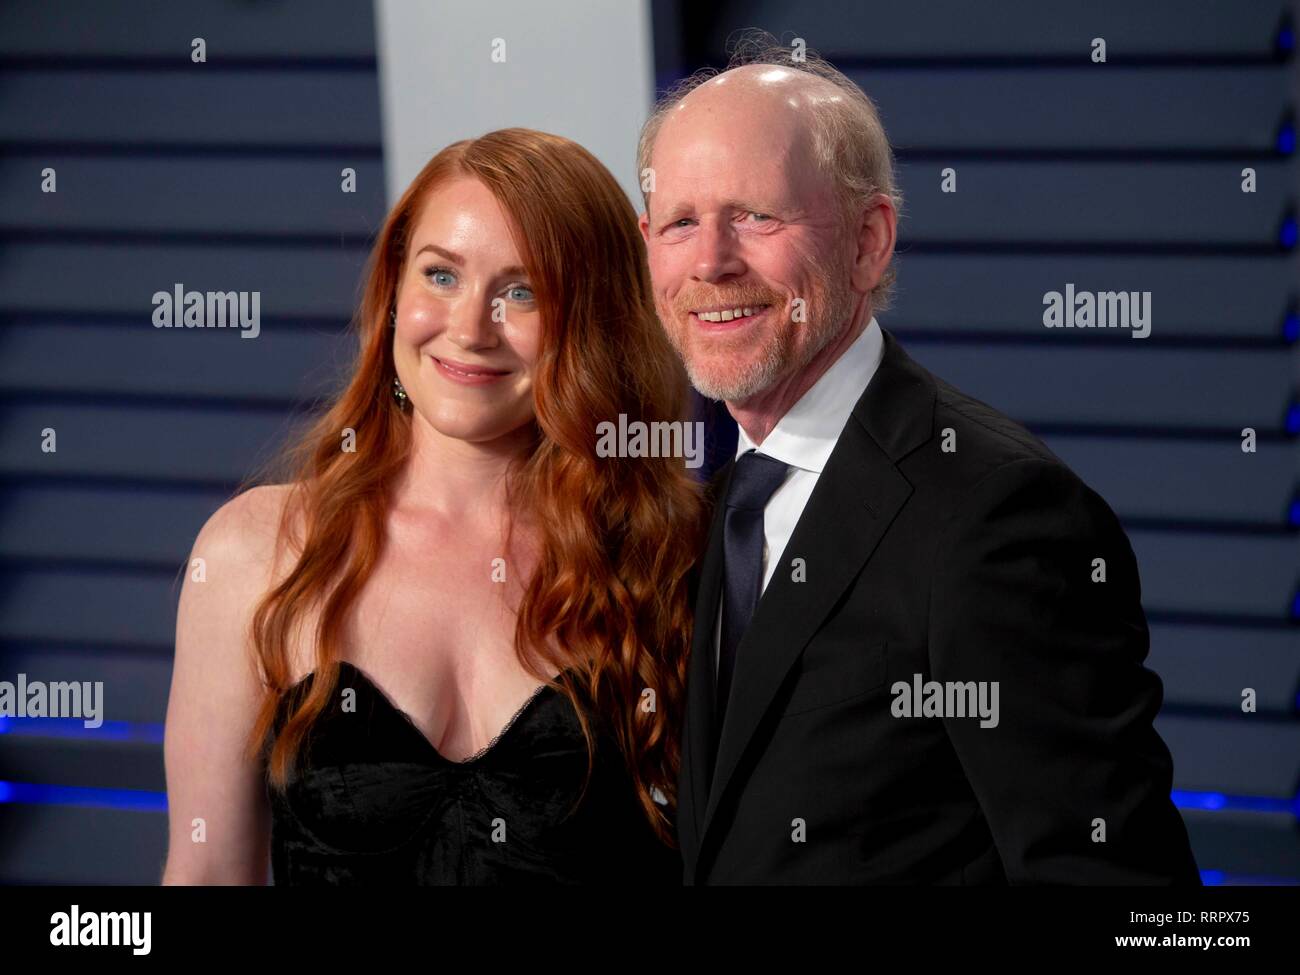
[(451, 648)]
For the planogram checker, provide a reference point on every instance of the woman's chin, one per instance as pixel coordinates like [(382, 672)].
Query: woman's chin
[(477, 429)]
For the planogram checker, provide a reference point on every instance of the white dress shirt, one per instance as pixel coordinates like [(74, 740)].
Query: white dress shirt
[(803, 439)]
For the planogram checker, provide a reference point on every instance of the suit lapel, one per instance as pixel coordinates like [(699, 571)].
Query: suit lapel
[(857, 496), (698, 752)]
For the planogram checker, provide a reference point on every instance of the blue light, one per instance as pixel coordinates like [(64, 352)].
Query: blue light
[(1293, 419), (76, 728), (1291, 327), (1212, 878), (1286, 39), (1293, 514), (1287, 235), (1186, 799), (1295, 606), (1286, 139), (30, 793)]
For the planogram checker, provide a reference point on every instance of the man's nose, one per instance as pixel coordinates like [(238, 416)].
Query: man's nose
[(716, 253)]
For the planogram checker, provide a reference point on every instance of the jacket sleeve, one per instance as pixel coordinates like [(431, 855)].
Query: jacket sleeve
[(1073, 779)]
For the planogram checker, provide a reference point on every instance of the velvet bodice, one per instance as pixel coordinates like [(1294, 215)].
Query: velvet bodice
[(373, 802)]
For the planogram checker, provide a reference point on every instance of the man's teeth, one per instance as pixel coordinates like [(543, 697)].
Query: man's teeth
[(727, 316)]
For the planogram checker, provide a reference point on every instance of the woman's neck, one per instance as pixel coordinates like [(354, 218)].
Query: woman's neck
[(458, 478)]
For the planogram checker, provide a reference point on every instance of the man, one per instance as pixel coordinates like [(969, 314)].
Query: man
[(919, 641)]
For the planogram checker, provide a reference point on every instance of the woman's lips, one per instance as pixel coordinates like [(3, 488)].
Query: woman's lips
[(466, 374)]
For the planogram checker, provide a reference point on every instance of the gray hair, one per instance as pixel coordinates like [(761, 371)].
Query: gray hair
[(849, 141)]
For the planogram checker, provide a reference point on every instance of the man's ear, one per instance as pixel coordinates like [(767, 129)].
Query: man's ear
[(643, 222), (876, 235)]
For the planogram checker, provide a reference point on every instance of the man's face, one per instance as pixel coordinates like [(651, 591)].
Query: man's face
[(741, 218)]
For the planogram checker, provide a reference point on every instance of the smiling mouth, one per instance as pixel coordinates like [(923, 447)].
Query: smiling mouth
[(730, 314), (469, 373)]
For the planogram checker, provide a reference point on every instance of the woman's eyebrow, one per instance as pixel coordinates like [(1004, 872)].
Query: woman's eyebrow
[(513, 271), (449, 255)]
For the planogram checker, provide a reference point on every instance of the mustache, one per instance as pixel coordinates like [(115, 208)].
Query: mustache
[(738, 297)]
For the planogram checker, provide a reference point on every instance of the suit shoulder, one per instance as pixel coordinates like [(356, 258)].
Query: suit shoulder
[(980, 438)]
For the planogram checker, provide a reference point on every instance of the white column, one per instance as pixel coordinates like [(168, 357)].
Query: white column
[(578, 68)]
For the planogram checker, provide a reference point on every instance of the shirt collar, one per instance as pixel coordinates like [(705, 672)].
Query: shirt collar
[(806, 435)]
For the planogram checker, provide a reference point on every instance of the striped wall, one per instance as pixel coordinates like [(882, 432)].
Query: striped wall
[(223, 175)]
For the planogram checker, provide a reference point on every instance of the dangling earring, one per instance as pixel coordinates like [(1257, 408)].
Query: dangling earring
[(399, 394), (392, 318)]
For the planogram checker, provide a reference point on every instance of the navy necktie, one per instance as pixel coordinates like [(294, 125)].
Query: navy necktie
[(754, 480)]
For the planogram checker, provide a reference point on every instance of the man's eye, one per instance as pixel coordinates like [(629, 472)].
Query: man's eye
[(760, 216), (441, 276)]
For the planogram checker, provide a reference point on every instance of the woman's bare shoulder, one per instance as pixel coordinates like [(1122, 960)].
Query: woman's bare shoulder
[(245, 531)]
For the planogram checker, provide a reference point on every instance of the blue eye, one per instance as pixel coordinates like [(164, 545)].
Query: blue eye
[(441, 276), (520, 292)]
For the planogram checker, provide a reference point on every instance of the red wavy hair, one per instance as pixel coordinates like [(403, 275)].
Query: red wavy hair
[(618, 536)]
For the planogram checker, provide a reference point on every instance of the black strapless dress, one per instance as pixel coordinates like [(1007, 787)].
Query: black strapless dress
[(372, 802)]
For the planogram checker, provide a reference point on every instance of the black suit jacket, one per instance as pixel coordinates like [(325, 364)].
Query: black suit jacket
[(968, 564)]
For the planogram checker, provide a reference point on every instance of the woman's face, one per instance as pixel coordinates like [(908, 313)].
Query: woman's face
[(468, 328)]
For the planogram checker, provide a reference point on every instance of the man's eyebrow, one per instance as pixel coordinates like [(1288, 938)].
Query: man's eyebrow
[(513, 271), (677, 211)]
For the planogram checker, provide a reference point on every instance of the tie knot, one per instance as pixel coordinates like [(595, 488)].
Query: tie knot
[(754, 481)]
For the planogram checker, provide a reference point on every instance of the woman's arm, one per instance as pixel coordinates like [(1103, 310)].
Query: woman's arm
[(218, 817)]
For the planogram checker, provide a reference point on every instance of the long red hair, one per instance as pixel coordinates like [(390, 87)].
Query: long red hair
[(618, 536)]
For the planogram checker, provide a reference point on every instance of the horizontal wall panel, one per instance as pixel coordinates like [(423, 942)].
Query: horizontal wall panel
[(101, 523), (123, 607), (136, 685), (317, 281), (146, 442), (83, 762), (1256, 845), (298, 109), (1238, 756), (1210, 666), (162, 29), (1095, 202), (1191, 572), (1191, 297), (1186, 480), (285, 363), (71, 845), (1121, 383), (1085, 109), (956, 28), (272, 197)]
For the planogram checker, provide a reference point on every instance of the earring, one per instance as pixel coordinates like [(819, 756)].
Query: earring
[(399, 394), (392, 318)]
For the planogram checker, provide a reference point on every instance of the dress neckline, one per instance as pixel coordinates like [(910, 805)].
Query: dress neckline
[(409, 722)]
